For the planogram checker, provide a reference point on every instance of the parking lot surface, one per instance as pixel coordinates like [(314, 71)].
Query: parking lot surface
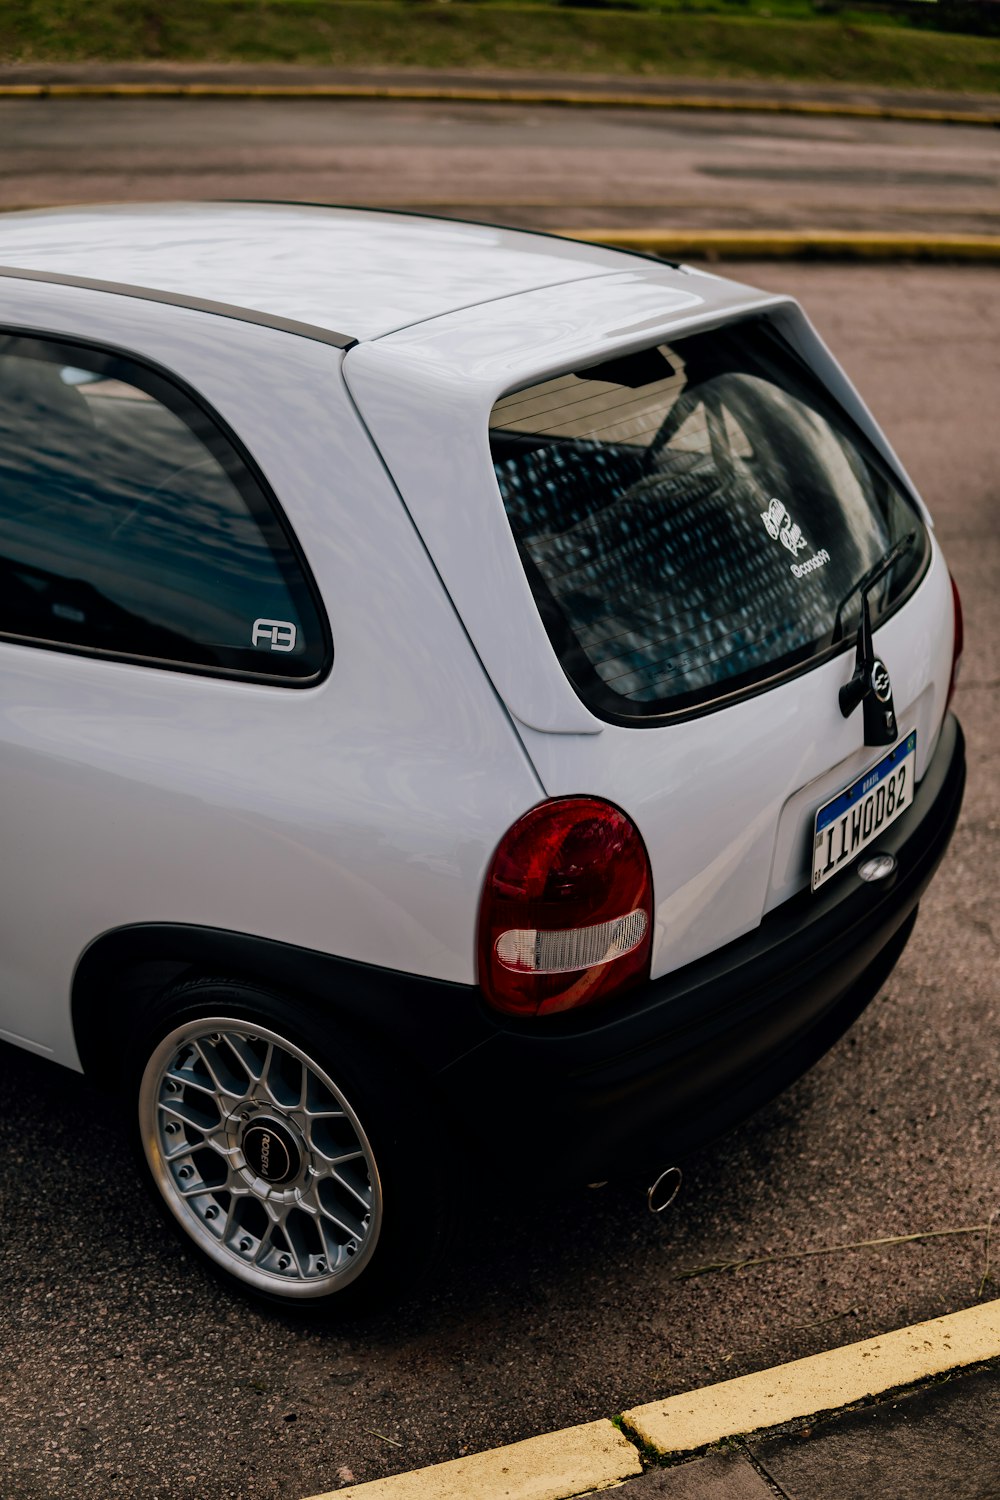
[(522, 164), (127, 1371)]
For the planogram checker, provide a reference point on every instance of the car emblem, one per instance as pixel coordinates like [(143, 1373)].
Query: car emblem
[(270, 1151), (870, 685), (881, 685)]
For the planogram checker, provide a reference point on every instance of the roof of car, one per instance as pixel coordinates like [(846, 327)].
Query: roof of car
[(357, 273)]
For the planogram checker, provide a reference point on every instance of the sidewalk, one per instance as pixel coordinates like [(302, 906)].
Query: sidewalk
[(941, 1442)]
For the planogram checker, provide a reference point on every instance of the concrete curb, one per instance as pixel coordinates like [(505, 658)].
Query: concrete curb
[(576, 1461), (821, 1383), (805, 244), (578, 98), (598, 1455)]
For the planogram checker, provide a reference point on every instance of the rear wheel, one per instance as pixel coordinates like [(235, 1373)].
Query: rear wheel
[(276, 1156)]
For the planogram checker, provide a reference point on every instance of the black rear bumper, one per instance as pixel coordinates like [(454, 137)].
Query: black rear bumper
[(690, 1054)]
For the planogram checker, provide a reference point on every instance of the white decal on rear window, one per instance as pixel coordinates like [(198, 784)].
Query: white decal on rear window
[(781, 527), (818, 560)]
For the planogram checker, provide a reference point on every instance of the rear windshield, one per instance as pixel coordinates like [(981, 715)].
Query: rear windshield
[(694, 520)]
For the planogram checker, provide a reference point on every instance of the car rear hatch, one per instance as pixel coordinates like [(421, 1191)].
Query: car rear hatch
[(656, 502)]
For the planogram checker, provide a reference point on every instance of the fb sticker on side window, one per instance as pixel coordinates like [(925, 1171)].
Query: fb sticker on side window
[(277, 635)]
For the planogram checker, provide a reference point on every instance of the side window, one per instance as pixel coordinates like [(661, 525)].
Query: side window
[(129, 525)]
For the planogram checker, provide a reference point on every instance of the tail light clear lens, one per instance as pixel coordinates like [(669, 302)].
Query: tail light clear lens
[(567, 910), (957, 648)]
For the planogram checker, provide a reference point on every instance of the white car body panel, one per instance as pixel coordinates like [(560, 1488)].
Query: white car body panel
[(245, 891), (314, 265), (727, 820), (147, 795), (426, 395)]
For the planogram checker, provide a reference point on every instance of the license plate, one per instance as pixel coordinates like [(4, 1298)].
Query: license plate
[(856, 817)]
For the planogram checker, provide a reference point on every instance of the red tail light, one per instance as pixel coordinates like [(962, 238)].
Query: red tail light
[(957, 648), (567, 909)]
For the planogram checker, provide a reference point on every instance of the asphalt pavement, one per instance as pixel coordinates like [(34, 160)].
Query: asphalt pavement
[(532, 165), (127, 1371)]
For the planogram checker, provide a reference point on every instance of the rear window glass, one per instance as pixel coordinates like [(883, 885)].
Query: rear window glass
[(694, 519)]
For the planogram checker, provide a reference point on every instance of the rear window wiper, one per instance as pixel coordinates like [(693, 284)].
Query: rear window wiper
[(868, 580), (875, 691)]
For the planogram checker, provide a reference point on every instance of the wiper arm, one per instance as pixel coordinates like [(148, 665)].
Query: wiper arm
[(870, 579), (870, 684)]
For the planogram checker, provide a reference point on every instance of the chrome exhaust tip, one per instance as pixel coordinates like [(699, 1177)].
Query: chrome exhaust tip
[(664, 1190)]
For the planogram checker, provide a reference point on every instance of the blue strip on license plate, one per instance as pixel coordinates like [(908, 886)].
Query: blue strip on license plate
[(857, 815)]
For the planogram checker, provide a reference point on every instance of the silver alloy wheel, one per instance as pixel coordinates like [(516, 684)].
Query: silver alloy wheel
[(260, 1157)]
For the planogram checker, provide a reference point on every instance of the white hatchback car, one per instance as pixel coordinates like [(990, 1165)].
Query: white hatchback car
[(440, 717)]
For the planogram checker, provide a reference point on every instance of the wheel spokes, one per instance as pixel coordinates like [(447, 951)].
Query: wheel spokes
[(218, 1056), (362, 1197), (285, 1080), (214, 1083)]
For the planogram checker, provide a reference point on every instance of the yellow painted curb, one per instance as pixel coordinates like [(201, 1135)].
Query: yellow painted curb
[(830, 244), (471, 94), (554, 1467), (598, 1456), (823, 1382)]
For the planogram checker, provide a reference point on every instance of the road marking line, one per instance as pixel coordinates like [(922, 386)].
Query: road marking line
[(796, 244), (575, 1461), (469, 94), (823, 1382)]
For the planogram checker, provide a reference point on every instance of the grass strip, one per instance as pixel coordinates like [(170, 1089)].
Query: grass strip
[(386, 33)]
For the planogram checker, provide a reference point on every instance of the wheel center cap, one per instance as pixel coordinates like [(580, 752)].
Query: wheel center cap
[(270, 1151)]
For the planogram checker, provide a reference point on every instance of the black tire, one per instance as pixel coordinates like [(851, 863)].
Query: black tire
[(293, 1231)]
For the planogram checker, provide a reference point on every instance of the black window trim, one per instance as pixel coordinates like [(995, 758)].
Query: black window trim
[(251, 468), (569, 656)]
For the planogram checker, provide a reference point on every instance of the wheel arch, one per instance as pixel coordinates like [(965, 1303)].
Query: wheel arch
[(120, 973)]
